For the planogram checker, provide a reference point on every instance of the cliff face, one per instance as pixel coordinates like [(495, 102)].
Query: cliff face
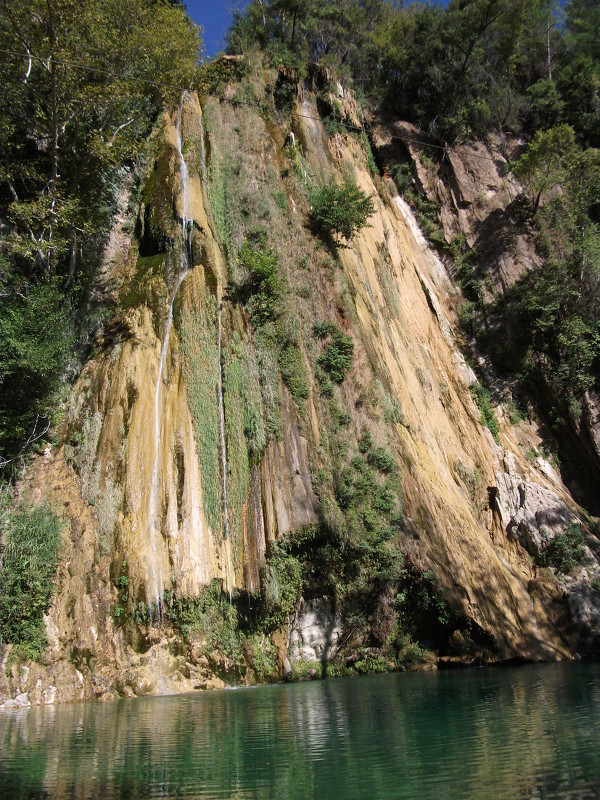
[(481, 204), (209, 464)]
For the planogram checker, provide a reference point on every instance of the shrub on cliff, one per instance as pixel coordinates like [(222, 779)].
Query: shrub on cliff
[(264, 286), (340, 210), (336, 359), (564, 552)]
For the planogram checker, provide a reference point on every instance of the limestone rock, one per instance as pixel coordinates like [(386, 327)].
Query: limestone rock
[(529, 512), (315, 632), (591, 418), (20, 701), (584, 605)]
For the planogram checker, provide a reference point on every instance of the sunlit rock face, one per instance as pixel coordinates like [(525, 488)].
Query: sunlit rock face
[(173, 474)]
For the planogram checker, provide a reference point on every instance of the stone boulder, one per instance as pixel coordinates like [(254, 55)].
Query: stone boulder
[(315, 631), (530, 513)]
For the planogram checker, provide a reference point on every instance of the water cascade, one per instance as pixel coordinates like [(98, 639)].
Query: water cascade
[(184, 178), (154, 592), (229, 576), (223, 445), (155, 589)]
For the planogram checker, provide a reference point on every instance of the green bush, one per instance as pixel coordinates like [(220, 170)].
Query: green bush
[(371, 664), (213, 615), (483, 401), (282, 582), (36, 343), (422, 610), (264, 285), (336, 359), (381, 459), (564, 552), (306, 669), (340, 210), (365, 443), (321, 330), (262, 656), (27, 579), (293, 372)]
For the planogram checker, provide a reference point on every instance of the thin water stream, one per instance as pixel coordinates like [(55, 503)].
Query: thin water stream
[(223, 443), (156, 581), (154, 503)]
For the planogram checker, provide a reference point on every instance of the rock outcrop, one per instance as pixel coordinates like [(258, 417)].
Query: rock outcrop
[(191, 448)]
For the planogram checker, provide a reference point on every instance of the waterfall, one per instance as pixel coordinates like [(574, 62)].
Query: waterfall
[(157, 580), (222, 426), (187, 221), (154, 505)]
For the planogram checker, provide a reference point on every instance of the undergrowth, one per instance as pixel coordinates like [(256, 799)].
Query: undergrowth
[(198, 334), (483, 401), (29, 562), (564, 552)]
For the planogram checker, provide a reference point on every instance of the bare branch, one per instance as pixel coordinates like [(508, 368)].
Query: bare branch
[(120, 128)]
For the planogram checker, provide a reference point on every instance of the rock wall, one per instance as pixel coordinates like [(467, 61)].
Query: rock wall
[(139, 476)]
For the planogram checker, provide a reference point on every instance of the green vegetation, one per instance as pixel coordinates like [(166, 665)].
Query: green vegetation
[(461, 72), (263, 294), (557, 306), (301, 670), (281, 584), (259, 261), (340, 210), (483, 401), (457, 71), (355, 549), (336, 358), (244, 428), (198, 334), (32, 547), (214, 618), (36, 344), (564, 552), (82, 85), (263, 287)]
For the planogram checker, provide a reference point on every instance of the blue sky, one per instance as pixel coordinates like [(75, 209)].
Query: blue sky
[(215, 17)]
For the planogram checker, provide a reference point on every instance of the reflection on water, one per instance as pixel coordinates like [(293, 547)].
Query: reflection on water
[(529, 732)]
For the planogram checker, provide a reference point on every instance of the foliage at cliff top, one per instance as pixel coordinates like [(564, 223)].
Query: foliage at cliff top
[(557, 307), (462, 70), (82, 84)]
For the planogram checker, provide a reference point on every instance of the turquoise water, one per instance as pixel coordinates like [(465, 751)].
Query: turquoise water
[(520, 732)]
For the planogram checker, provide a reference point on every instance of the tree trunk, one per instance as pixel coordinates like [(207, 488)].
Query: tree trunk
[(294, 28), (53, 67), (549, 50)]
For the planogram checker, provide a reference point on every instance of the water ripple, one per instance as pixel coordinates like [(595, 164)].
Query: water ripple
[(529, 733)]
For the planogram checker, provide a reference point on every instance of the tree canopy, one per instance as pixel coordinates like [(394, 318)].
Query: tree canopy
[(458, 71), (82, 83)]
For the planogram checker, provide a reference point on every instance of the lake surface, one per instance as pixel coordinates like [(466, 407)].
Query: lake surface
[(510, 733)]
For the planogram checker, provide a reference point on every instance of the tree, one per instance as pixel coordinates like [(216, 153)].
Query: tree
[(78, 101), (578, 75), (340, 210), (545, 164), (559, 304), (82, 83)]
